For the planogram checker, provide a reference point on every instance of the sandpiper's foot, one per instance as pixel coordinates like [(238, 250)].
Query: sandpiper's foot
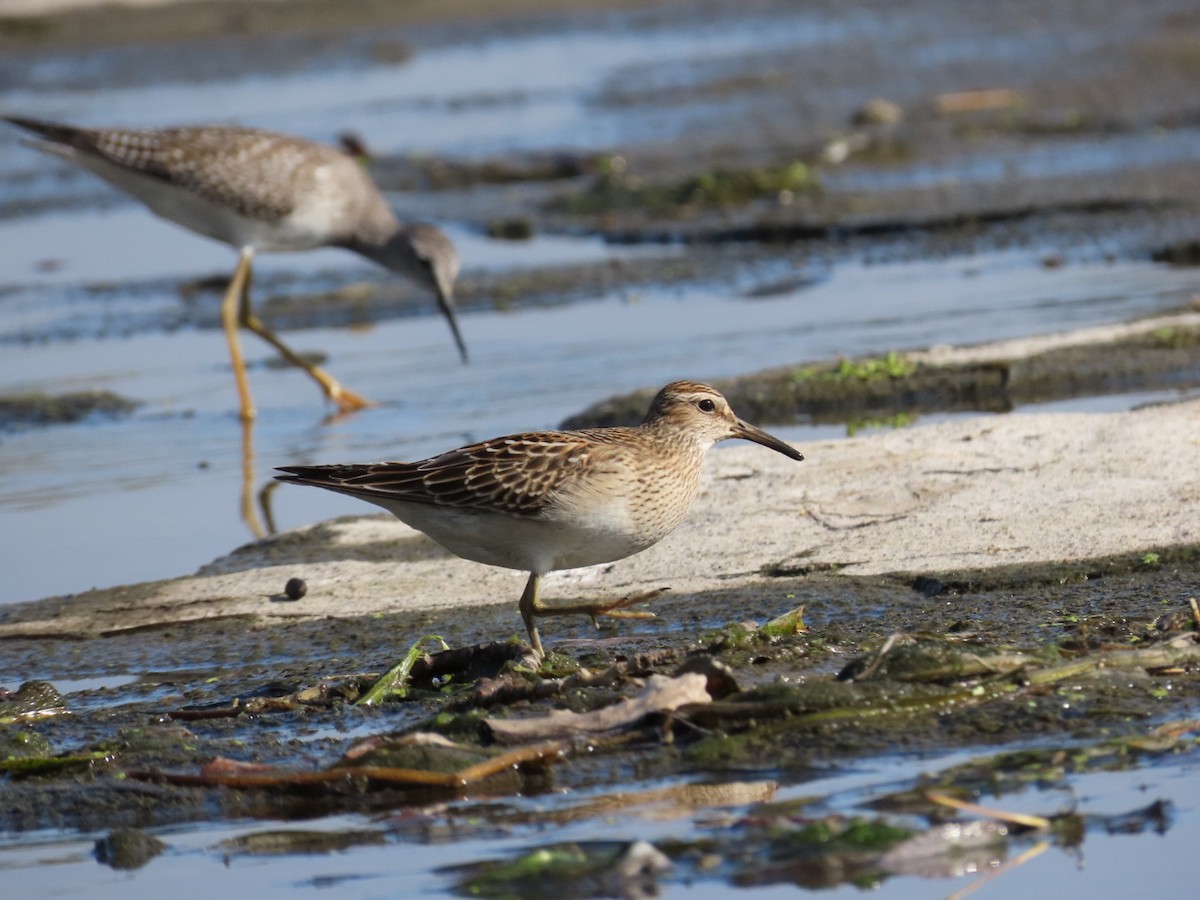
[(614, 609)]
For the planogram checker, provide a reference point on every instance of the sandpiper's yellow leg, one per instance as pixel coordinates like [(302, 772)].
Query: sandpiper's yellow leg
[(530, 606), (229, 322), (346, 400)]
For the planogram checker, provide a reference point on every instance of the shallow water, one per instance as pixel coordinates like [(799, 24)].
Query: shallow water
[(416, 846)]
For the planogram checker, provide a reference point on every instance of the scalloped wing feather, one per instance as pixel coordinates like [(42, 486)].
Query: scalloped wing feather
[(519, 474), (215, 162)]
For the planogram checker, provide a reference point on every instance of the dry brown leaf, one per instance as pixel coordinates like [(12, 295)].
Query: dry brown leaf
[(660, 694)]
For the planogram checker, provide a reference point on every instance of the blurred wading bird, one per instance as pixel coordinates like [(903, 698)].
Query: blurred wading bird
[(548, 500), (260, 191)]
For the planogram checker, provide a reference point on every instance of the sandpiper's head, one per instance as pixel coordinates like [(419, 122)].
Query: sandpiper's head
[(703, 414), (423, 253)]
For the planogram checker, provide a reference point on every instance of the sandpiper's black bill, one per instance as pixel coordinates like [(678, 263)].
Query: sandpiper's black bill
[(750, 433), (447, 307)]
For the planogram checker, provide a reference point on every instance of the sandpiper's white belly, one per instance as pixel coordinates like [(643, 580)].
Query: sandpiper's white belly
[(306, 228), (543, 544)]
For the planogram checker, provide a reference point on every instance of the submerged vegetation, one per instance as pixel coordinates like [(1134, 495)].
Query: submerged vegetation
[(873, 368), (39, 409), (615, 190)]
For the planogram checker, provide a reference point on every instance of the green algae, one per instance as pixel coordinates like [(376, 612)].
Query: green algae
[(718, 188)]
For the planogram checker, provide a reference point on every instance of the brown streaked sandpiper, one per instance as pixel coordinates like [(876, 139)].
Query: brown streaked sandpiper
[(260, 191), (548, 500)]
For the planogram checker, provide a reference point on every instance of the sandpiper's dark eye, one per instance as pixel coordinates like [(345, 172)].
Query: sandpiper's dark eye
[(706, 405)]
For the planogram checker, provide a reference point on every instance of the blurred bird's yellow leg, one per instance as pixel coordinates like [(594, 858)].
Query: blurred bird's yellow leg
[(230, 306), (249, 514), (346, 400)]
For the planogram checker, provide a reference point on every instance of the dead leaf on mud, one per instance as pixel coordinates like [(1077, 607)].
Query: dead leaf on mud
[(224, 766), (662, 694)]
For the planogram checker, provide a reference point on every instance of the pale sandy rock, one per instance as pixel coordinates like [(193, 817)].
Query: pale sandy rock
[(1025, 347)]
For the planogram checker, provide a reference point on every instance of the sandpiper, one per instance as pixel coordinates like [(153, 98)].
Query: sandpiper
[(548, 500), (260, 191)]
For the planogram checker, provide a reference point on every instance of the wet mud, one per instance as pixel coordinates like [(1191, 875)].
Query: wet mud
[(910, 661), (33, 410)]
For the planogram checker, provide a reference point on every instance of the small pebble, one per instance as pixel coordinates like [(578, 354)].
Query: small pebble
[(878, 111), (295, 588), (517, 228)]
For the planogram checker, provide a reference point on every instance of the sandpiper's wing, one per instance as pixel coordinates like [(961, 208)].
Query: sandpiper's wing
[(250, 171), (519, 474)]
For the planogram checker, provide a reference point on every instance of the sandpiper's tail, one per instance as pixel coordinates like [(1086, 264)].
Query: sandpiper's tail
[(321, 476), (381, 483)]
